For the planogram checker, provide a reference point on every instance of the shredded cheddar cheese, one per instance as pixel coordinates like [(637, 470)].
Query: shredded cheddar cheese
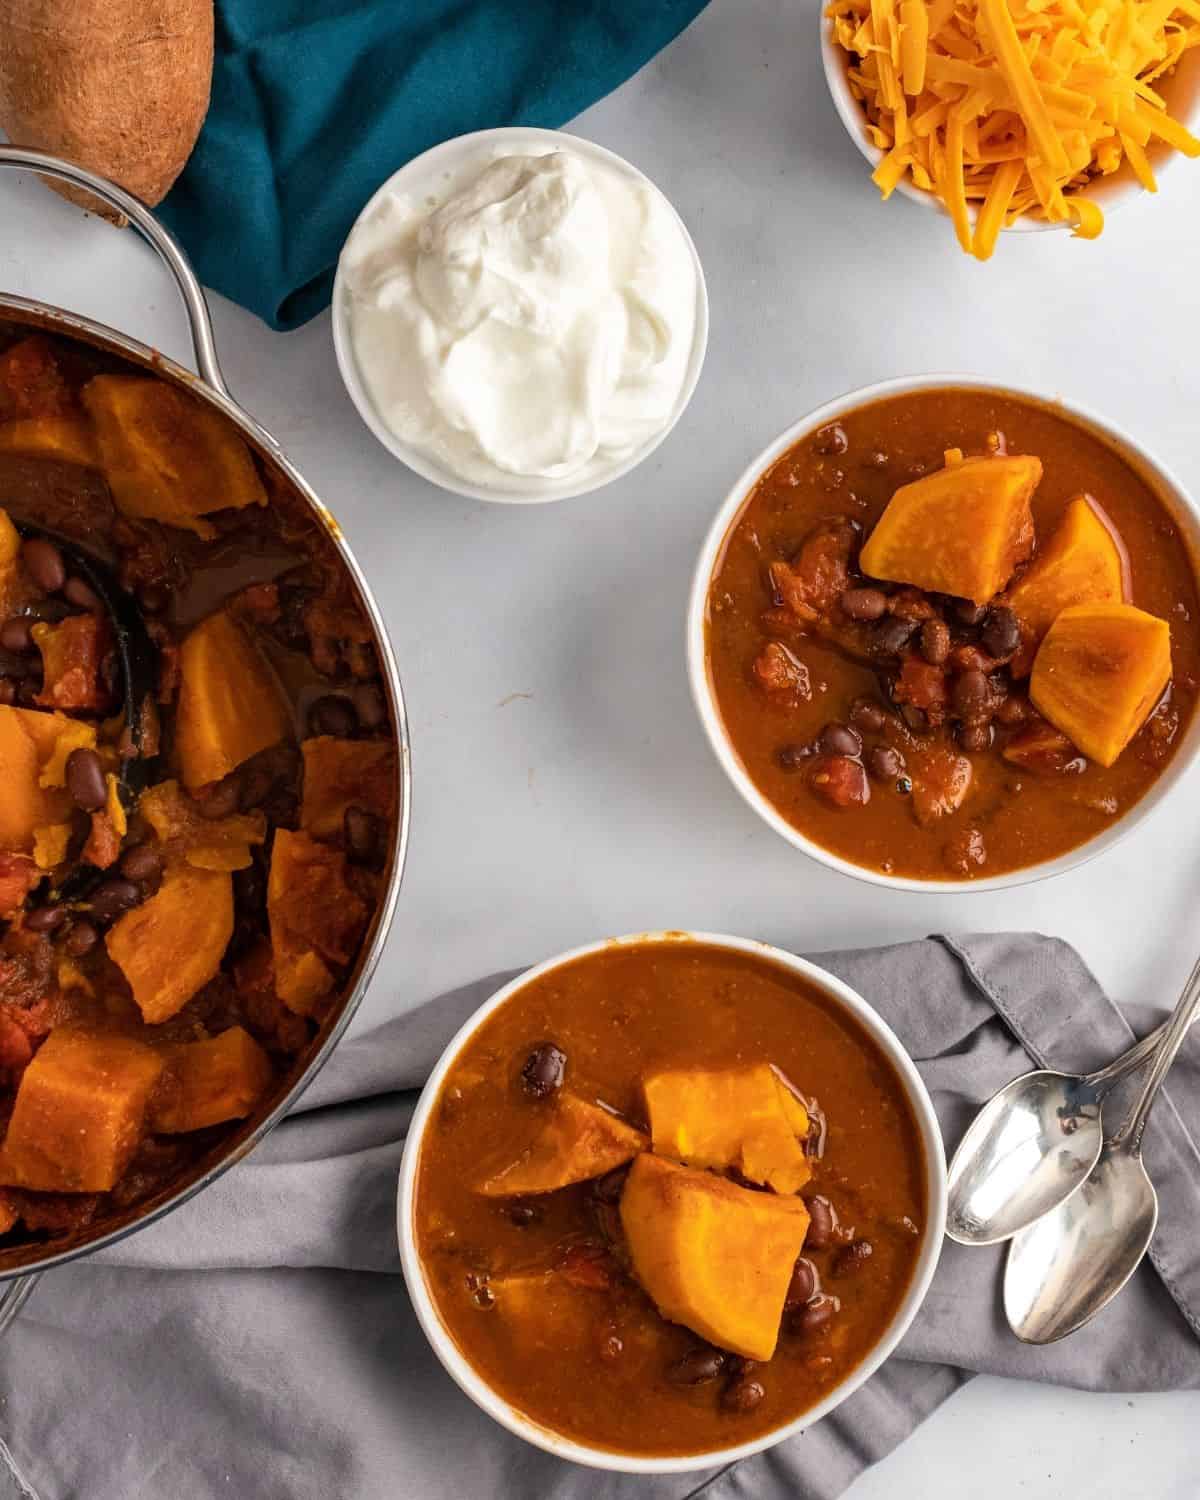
[(1014, 107)]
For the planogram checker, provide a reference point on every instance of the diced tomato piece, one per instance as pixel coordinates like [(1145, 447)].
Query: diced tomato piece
[(840, 780), (73, 653), (924, 686), (1042, 748), (941, 780), (31, 383), (18, 876), (816, 578), (781, 675)]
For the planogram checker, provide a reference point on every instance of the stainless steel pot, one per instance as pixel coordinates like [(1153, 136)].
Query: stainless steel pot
[(20, 1268)]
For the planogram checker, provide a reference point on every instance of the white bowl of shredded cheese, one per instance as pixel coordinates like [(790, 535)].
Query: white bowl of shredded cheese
[(1179, 89), (519, 315)]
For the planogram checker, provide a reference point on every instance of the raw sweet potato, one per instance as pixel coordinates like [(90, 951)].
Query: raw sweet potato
[(713, 1256), (166, 457), (571, 1140), (315, 917), (1084, 562), (173, 944), (230, 707), (68, 439), (728, 1117), (961, 530), (119, 86), (1098, 674), (220, 1078), (342, 773), (80, 1112)]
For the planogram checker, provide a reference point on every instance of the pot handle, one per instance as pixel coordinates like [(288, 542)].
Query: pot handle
[(13, 1296), (161, 240)]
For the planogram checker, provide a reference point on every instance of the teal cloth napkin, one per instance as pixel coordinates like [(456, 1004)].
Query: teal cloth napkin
[(316, 102)]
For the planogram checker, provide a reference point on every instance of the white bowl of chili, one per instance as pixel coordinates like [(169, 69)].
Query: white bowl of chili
[(1172, 527), (849, 1015), (1179, 89)]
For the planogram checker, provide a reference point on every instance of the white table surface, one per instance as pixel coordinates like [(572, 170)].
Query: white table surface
[(562, 787)]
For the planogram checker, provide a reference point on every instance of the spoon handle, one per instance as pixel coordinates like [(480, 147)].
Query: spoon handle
[(1172, 1035)]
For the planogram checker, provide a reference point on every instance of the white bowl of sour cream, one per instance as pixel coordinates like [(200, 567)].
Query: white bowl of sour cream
[(519, 315)]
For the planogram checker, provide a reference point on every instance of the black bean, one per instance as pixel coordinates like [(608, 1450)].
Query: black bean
[(81, 939), (333, 715), (743, 1394), (249, 889), (79, 592), (967, 612), (839, 739), (141, 864), (44, 564), (113, 898), (697, 1367), (362, 834), (851, 1258), (935, 641), (890, 636), (45, 918), (16, 665), (608, 1189), (1001, 633), (830, 440), (975, 737), (256, 785), (866, 714), (813, 1318), (370, 705), (803, 1285), (15, 634), (1012, 710), (222, 799), (884, 763), (971, 695), (793, 757), (8, 691), (153, 598), (823, 1225), (864, 604), (916, 718), (542, 1073), (85, 780), (522, 1214)]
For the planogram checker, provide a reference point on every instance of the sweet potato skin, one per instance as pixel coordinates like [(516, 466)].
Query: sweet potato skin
[(118, 86)]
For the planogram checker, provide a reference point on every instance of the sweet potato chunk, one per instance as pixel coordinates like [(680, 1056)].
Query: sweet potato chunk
[(221, 1078), (713, 1256), (728, 1117), (1082, 563), (69, 439), (961, 530), (230, 707), (173, 944), (73, 653), (342, 773), (572, 1140), (315, 917), (1098, 674), (23, 805), (168, 458), (206, 843), (10, 565), (816, 578), (80, 1112)]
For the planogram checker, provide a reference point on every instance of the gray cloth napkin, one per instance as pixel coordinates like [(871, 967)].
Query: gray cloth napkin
[(258, 1343)]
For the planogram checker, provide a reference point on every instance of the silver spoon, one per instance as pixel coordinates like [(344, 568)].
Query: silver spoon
[(1030, 1147), (1063, 1269)]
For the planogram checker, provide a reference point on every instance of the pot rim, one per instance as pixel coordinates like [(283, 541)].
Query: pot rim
[(74, 325)]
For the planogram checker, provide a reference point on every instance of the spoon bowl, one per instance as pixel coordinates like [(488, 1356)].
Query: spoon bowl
[(1027, 1150), (1063, 1269)]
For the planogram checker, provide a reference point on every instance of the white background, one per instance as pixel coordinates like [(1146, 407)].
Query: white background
[(562, 787)]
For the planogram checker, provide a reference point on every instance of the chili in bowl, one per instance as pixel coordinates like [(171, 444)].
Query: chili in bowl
[(651, 1247), (945, 635)]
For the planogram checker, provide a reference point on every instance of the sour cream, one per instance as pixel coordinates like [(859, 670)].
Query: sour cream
[(529, 320)]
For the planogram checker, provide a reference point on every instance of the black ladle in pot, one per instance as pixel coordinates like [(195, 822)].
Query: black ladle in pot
[(137, 673)]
